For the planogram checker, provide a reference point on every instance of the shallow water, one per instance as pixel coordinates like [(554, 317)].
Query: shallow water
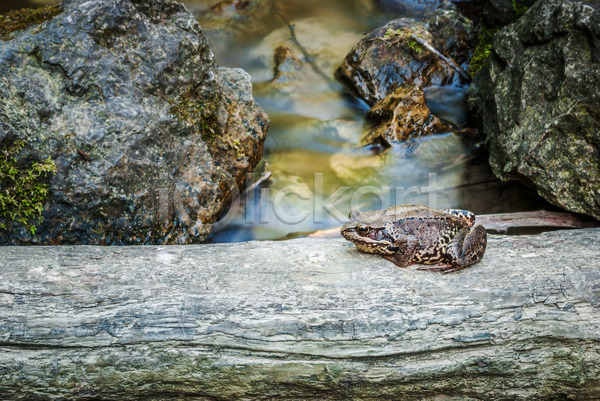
[(318, 171)]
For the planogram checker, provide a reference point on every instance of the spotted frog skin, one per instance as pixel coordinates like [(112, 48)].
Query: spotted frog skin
[(447, 239)]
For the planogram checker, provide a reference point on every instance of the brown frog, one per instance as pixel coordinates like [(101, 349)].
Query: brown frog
[(448, 239)]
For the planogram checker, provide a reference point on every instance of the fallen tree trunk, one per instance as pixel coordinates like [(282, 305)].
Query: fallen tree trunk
[(301, 319)]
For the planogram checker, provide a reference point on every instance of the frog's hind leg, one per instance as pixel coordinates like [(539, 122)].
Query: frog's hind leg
[(445, 268), (466, 248), (440, 267)]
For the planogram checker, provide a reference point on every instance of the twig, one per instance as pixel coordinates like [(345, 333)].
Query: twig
[(445, 59), (265, 177), (84, 155), (294, 38)]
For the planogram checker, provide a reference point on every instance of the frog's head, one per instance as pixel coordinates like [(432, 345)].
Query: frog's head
[(368, 231)]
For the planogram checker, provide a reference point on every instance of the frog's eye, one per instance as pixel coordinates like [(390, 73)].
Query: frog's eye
[(363, 230)]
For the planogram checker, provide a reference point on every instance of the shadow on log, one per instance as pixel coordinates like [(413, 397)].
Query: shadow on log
[(301, 319)]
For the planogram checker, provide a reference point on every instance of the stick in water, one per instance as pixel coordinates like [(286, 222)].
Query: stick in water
[(445, 59)]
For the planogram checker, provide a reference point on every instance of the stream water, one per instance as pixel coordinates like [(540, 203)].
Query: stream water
[(318, 171)]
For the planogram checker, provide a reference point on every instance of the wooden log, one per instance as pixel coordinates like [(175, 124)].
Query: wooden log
[(502, 222), (300, 319)]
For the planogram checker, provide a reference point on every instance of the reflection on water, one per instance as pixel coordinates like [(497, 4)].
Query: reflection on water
[(318, 171)]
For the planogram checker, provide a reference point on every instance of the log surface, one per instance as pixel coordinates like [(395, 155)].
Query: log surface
[(300, 319)]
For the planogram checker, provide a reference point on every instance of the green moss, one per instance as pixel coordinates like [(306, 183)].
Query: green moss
[(519, 8), (199, 114), (414, 46), (237, 146), (23, 189), (403, 37), (482, 49), (18, 20)]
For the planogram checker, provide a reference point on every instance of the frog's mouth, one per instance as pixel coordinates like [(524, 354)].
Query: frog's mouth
[(366, 244)]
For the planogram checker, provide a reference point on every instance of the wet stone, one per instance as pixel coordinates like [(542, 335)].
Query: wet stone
[(150, 138), (402, 115), (388, 58), (538, 101)]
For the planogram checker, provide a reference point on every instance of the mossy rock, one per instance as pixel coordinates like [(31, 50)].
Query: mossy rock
[(150, 138), (538, 102), (388, 57)]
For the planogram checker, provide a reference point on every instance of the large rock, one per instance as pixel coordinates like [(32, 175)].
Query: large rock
[(386, 58), (539, 103), (149, 137), (307, 319)]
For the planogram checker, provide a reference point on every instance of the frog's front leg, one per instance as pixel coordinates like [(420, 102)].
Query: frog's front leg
[(405, 250), (467, 247)]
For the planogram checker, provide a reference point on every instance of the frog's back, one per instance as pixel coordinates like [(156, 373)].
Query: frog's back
[(400, 212), (433, 228)]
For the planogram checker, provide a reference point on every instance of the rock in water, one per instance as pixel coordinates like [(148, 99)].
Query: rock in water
[(388, 58), (388, 69), (150, 138), (539, 103), (402, 115)]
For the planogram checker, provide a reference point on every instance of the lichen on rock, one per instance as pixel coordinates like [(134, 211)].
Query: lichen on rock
[(110, 90)]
